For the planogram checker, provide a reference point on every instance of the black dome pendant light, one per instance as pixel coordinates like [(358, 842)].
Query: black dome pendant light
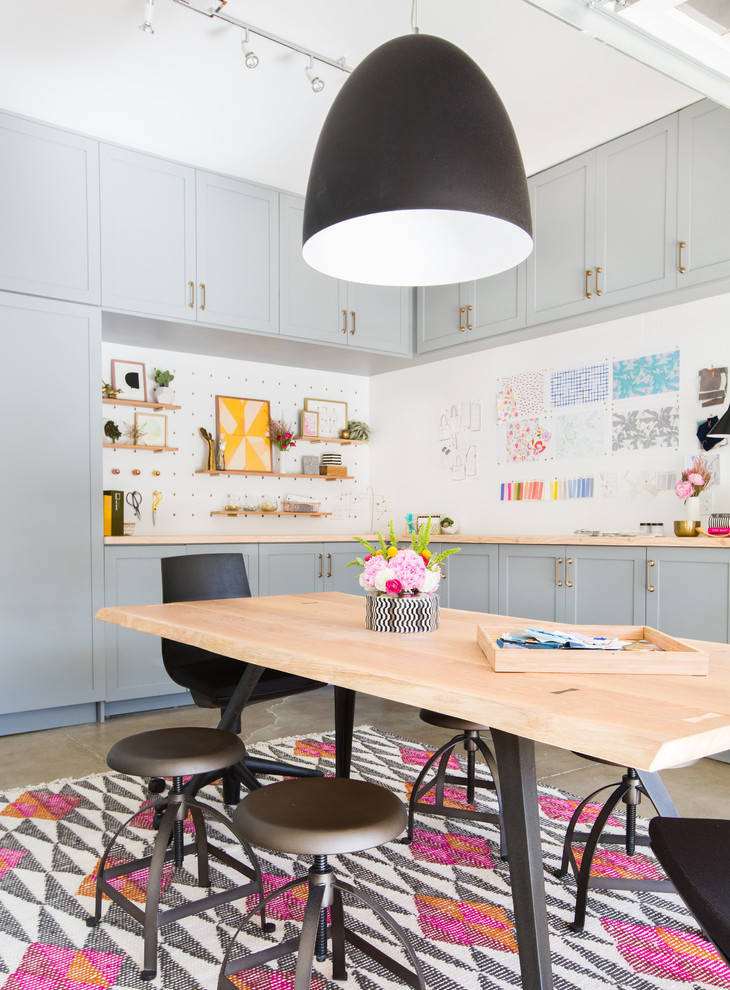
[(417, 177)]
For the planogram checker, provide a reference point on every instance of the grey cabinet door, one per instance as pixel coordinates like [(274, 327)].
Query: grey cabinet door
[(49, 204), (380, 317), (338, 576), (636, 214), (440, 319), (605, 585), (237, 253), (310, 303), (691, 594), (147, 234), (51, 581), (471, 578), (563, 215), (134, 667), (531, 581), (499, 304), (704, 204), (291, 568)]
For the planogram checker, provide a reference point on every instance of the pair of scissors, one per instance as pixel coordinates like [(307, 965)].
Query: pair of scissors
[(135, 500)]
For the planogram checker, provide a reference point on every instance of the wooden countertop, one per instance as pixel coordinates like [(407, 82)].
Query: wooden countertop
[(460, 539)]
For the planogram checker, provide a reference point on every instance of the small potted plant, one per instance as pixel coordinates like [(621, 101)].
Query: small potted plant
[(163, 393), (448, 526)]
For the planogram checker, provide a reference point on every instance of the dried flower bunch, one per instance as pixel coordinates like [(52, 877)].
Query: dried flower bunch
[(281, 434), (401, 573), (694, 479)]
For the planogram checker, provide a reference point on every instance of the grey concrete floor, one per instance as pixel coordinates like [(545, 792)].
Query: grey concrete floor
[(32, 758)]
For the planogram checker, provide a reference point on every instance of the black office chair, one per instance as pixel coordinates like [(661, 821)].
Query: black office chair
[(694, 853), (211, 678)]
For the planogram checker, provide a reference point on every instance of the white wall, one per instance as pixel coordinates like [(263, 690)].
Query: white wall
[(188, 497), (405, 408)]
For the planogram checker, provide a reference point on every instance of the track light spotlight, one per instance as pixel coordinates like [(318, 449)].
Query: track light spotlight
[(250, 57), (315, 80), (146, 25)]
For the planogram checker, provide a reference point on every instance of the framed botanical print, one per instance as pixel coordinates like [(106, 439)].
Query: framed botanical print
[(310, 423), (332, 415), (153, 427), (130, 377), (243, 433)]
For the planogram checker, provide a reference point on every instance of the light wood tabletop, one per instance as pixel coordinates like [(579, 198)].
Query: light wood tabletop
[(650, 722)]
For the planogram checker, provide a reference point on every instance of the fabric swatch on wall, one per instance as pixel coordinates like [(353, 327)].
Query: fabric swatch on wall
[(520, 396), (527, 440), (712, 387), (644, 429), (607, 484), (579, 386), (650, 374), (581, 434)]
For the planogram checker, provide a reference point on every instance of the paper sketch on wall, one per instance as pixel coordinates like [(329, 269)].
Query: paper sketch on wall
[(521, 396), (645, 429), (640, 483), (650, 374), (528, 440), (583, 433), (459, 428), (607, 484), (665, 481), (712, 386), (579, 386)]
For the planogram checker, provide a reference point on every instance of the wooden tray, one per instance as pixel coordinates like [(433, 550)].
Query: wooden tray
[(677, 658)]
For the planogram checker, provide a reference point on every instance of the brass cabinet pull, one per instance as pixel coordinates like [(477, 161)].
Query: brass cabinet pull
[(202, 295), (558, 582), (589, 273), (462, 310), (599, 292), (649, 565), (568, 562), (352, 314), (468, 315), (191, 286), (320, 558), (343, 314), (329, 565), (680, 266)]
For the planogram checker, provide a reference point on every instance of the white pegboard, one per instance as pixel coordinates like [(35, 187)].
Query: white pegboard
[(187, 497)]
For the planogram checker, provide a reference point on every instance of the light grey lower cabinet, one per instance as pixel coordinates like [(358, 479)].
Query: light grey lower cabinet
[(688, 592), (470, 578), (300, 568), (51, 579), (601, 585), (135, 676)]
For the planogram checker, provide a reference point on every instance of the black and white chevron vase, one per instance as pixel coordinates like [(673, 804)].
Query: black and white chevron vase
[(403, 615)]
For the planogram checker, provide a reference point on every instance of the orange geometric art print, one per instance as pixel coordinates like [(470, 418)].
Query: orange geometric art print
[(243, 427)]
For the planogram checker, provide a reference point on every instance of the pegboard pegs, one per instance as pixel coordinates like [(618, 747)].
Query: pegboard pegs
[(155, 474), (136, 471), (115, 470)]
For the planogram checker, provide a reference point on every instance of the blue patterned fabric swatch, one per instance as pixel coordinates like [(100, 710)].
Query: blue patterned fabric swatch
[(578, 386), (651, 374)]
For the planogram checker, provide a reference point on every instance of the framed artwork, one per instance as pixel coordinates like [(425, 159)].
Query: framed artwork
[(310, 423), (242, 426), (154, 426), (332, 415), (435, 523), (130, 377)]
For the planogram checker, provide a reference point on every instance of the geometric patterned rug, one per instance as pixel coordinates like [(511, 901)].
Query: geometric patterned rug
[(449, 890)]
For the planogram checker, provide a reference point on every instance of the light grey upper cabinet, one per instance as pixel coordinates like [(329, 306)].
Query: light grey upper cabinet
[(187, 244), (604, 226), (147, 234), (237, 254), (49, 204), (704, 204), (453, 314), (316, 307)]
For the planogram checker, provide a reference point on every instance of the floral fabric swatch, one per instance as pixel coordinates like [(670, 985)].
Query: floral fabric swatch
[(579, 386), (524, 441), (650, 374), (644, 429), (520, 396)]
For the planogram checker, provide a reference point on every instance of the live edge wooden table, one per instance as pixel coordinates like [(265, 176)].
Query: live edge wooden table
[(650, 722)]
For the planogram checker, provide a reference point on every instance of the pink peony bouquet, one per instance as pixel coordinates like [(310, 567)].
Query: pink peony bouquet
[(694, 479), (401, 572)]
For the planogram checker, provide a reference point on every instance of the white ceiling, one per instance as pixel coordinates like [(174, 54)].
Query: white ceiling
[(185, 93)]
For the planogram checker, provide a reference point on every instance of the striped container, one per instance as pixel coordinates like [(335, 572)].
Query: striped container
[(403, 615)]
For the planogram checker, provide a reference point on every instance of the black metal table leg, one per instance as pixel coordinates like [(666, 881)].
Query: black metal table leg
[(344, 721), (518, 779)]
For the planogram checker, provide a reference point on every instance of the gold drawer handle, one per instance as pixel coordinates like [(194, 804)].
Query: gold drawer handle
[(558, 582), (589, 274), (462, 310), (343, 314), (682, 269), (599, 292), (649, 565), (468, 316), (191, 286), (568, 562), (352, 314), (202, 295)]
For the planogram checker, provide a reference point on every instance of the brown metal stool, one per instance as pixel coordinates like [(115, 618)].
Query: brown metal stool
[(468, 735), (318, 817), (628, 791), (174, 753)]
